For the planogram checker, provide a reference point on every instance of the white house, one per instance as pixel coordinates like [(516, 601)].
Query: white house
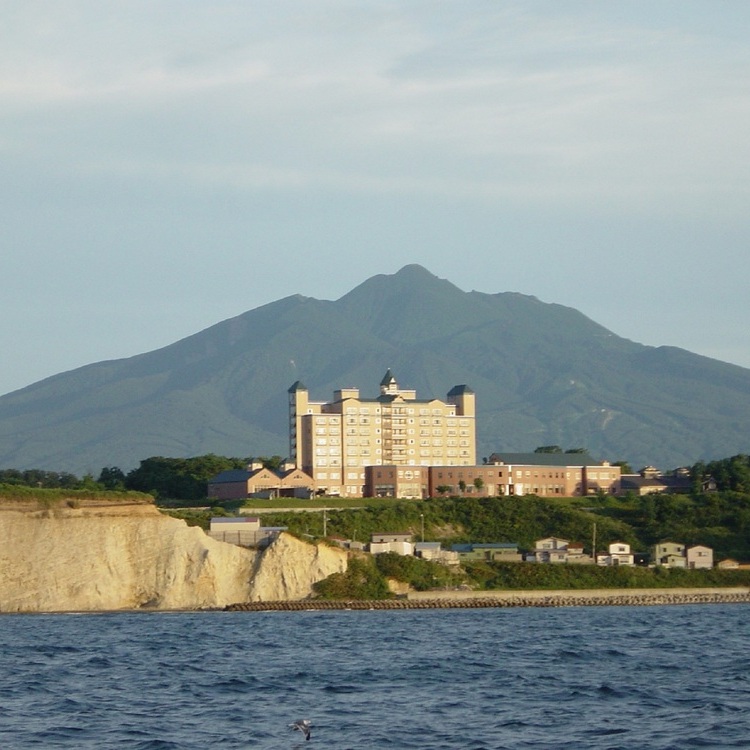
[(619, 554)]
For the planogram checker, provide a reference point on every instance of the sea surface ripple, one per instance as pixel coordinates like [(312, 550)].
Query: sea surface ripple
[(579, 678)]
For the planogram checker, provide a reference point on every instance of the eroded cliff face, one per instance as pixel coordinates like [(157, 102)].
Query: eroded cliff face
[(133, 557), (289, 567)]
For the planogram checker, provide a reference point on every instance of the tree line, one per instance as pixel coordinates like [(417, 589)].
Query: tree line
[(186, 478), (164, 478)]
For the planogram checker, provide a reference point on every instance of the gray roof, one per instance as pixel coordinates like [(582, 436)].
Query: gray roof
[(543, 459), (427, 545), (232, 475)]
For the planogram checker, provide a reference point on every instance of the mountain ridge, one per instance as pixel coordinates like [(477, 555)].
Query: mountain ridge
[(543, 373)]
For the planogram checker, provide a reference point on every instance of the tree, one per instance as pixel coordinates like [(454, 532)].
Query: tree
[(479, 483), (548, 449), (179, 478), (625, 467), (462, 485), (112, 478), (444, 488)]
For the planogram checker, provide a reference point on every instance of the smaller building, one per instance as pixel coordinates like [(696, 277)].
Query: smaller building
[(649, 480), (259, 481), (400, 543), (551, 549), (728, 564), (243, 531), (618, 554), (489, 551), (433, 551), (669, 555), (699, 557)]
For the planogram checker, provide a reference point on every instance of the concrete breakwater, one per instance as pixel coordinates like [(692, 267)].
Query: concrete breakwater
[(478, 600)]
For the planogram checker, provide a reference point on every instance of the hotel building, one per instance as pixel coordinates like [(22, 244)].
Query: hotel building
[(334, 441)]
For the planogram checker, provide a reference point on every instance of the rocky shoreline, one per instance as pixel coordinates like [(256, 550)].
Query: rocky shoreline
[(511, 599)]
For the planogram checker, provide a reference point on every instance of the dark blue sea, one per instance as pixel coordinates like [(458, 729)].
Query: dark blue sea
[(580, 678)]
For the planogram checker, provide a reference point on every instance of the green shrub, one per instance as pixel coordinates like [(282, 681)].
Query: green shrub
[(362, 580)]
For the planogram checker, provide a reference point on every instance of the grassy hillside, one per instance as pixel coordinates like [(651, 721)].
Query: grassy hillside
[(719, 520)]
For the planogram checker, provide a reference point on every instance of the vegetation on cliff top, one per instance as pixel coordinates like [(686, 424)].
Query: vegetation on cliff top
[(12, 493)]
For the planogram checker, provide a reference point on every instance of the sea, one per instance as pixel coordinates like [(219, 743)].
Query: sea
[(572, 678)]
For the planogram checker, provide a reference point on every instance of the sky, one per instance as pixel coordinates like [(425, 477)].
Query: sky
[(167, 165)]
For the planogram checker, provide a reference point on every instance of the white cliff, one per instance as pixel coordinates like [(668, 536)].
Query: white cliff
[(289, 567), (111, 557)]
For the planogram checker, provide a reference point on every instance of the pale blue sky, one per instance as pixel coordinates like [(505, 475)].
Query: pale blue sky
[(167, 165)]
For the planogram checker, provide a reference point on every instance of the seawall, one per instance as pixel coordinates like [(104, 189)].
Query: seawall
[(498, 599)]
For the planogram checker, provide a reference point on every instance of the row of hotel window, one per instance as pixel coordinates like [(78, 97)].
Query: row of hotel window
[(398, 410), (334, 446), (450, 418)]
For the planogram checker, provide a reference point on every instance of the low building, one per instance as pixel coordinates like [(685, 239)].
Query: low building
[(554, 474), (576, 554), (243, 531), (433, 551), (728, 564), (476, 481), (489, 551), (699, 557), (649, 480), (400, 543), (259, 481)]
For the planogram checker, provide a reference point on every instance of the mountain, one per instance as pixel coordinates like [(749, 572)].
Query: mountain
[(544, 374)]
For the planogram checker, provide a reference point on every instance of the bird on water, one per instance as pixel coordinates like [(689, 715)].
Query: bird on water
[(302, 725)]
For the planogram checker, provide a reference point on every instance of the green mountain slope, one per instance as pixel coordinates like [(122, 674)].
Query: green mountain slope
[(543, 374)]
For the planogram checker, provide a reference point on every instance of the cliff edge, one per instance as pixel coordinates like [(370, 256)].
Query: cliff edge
[(113, 557)]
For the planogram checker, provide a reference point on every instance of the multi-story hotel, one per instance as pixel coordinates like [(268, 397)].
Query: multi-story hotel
[(334, 441)]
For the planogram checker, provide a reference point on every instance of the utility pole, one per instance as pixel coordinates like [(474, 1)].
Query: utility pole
[(421, 515), (325, 522), (593, 544)]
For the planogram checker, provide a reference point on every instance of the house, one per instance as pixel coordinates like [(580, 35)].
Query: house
[(728, 564), (400, 543), (243, 531), (669, 555), (489, 551), (699, 556), (576, 554), (649, 480), (549, 550), (618, 554)]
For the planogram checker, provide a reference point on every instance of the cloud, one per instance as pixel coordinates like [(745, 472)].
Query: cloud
[(488, 103)]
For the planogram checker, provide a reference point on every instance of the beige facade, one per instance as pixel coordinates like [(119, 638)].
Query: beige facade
[(335, 441)]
